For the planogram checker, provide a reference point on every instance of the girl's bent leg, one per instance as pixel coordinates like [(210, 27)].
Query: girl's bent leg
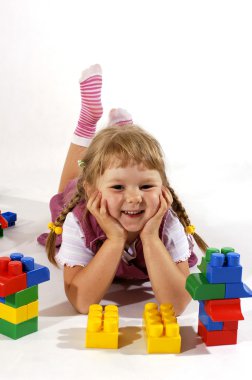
[(91, 112)]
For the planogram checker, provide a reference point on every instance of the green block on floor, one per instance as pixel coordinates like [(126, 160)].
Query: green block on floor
[(200, 289), (23, 297), (1, 232), (18, 331)]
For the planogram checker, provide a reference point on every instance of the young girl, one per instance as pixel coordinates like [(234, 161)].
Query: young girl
[(121, 217)]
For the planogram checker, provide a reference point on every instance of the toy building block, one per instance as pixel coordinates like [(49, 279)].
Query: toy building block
[(1, 231), (36, 273), (206, 320), (3, 221), (23, 297), (12, 278), (200, 289), (10, 217), (217, 338), (16, 331), (102, 327), (238, 290), (13, 315), (224, 310), (224, 268), (161, 329)]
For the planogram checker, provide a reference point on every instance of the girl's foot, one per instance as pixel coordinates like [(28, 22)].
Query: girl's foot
[(119, 116), (91, 107)]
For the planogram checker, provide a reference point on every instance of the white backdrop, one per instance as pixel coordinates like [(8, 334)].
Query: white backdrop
[(182, 68)]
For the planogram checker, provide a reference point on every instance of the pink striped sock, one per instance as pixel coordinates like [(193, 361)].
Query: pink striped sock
[(91, 107), (119, 116)]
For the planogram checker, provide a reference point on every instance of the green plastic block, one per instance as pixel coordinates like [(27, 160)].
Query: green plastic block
[(17, 331), (209, 253), (200, 289), (203, 265), (225, 250), (1, 232), (23, 297)]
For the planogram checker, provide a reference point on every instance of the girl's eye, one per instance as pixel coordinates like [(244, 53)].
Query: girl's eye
[(145, 187), (117, 187)]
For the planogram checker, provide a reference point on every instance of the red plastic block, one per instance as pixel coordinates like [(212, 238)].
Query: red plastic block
[(217, 338), (12, 278), (3, 221), (230, 325), (224, 310)]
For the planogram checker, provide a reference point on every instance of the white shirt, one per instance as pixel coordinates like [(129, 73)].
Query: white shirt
[(73, 250)]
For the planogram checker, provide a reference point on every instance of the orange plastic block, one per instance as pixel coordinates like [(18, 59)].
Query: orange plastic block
[(12, 278), (217, 338), (161, 329), (102, 327), (224, 310)]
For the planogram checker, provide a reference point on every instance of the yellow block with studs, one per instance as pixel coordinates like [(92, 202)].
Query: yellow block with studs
[(161, 329), (102, 327)]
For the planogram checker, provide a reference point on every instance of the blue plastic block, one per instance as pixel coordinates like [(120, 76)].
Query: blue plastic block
[(2, 299), (238, 290), (11, 217), (36, 273), (224, 268), (207, 321), (16, 256)]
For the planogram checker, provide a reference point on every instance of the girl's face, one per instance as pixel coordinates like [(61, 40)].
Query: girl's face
[(132, 194)]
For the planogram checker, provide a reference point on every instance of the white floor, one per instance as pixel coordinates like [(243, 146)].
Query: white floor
[(57, 350)]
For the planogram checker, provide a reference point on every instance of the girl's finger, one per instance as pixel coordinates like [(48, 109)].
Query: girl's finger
[(93, 200), (103, 208)]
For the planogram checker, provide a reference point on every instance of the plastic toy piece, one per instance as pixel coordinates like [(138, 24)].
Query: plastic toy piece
[(207, 321), (161, 329), (102, 327), (36, 273), (13, 315), (224, 268), (3, 221), (200, 289), (12, 278), (224, 310), (239, 290), (10, 217), (217, 338), (1, 231), (16, 331), (23, 297)]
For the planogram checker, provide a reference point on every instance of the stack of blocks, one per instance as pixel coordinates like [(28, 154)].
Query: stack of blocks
[(218, 288), (102, 327), (7, 219), (19, 279), (161, 329)]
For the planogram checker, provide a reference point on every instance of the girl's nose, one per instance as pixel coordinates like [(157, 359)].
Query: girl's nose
[(134, 196)]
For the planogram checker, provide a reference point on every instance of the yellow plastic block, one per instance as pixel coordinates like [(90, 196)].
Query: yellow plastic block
[(32, 309), (161, 329), (102, 327), (13, 315)]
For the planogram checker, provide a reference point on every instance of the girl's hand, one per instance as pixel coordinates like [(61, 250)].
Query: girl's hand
[(97, 206), (151, 228)]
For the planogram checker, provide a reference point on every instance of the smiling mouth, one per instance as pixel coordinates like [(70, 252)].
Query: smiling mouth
[(133, 213)]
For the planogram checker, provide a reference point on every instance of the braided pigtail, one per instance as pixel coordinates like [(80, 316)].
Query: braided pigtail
[(184, 219), (56, 227)]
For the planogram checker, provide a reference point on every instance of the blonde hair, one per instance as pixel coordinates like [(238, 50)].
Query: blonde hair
[(119, 146)]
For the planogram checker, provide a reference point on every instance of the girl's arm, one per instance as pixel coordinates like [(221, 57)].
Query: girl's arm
[(167, 278), (87, 285)]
